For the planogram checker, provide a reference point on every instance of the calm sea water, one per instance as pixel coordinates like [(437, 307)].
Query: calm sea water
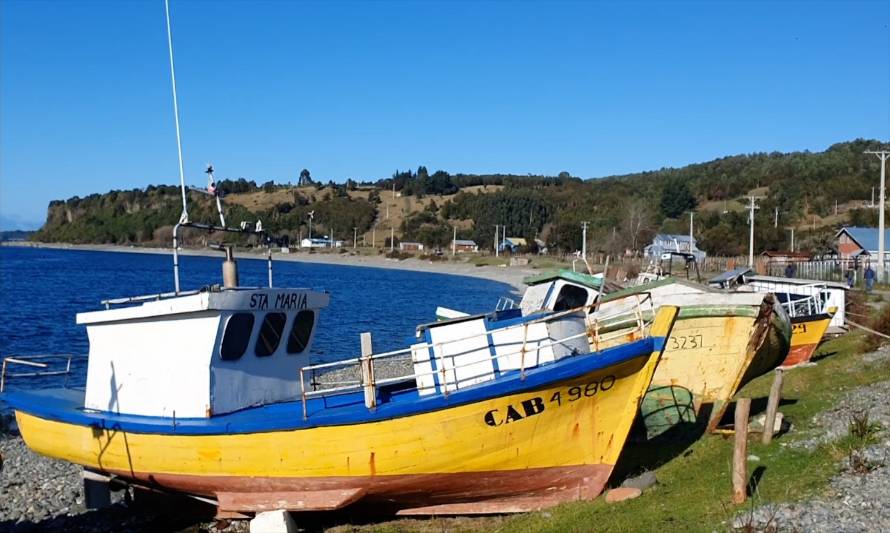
[(41, 290)]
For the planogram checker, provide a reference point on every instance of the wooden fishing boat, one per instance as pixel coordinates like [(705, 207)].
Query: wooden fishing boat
[(812, 305), (807, 331), (210, 393), (720, 342)]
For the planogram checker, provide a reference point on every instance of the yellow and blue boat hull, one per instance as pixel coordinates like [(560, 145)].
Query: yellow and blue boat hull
[(550, 436)]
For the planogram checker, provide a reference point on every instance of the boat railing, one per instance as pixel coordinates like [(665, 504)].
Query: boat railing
[(145, 298), (809, 302), (42, 362), (599, 330), (505, 303)]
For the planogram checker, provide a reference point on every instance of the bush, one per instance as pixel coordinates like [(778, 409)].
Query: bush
[(396, 254), (879, 322)]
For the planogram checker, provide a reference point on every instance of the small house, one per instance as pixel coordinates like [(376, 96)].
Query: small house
[(406, 246), (857, 244), (465, 246), (512, 244), (664, 243), (784, 258)]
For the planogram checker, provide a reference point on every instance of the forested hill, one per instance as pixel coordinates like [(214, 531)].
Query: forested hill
[(813, 191)]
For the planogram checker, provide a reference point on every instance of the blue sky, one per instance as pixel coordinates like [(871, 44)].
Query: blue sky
[(360, 89)]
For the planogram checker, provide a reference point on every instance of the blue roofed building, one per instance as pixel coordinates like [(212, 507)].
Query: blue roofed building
[(663, 243), (859, 244)]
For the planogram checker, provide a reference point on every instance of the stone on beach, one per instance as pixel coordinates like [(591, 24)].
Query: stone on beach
[(621, 494), (273, 522), (643, 481)]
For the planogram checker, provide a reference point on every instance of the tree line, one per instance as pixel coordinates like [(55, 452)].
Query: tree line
[(623, 212)]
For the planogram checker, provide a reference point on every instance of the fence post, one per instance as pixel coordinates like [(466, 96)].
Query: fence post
[(740, 451), (368, 372), (775, 394)]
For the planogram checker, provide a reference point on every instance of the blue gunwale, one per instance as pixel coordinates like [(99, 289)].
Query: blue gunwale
[(66, 405)]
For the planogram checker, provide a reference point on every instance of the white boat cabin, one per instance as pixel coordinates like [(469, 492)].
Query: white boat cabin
[(807, 295), (560, 290), (462, 350), (199, 354)]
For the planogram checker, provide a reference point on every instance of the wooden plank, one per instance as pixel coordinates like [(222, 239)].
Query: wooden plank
[(368, 382), (775, 394), (740, 451), (323, 500)]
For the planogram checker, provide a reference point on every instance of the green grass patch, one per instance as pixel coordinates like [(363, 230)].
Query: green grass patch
[(491, 261), (694, 485)]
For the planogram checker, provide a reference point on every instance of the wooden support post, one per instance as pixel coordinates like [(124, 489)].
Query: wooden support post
[(96, 491), (740, 451), (368, 383), (775, 394)]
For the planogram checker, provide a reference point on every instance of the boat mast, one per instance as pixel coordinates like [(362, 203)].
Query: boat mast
[(185, 213), (184, 217), (211, 188)]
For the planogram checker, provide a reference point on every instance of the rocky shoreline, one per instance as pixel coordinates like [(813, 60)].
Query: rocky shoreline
[(461, 266), (42, 494)]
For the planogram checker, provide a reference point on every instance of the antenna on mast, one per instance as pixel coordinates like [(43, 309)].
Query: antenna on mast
[(214, 190), (184, 218)]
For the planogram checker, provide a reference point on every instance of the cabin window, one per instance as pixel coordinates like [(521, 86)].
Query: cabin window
[(300, 332), (570, 297), (237, 336), (270, 334)]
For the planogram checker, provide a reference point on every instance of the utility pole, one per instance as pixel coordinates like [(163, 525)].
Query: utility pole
[(354, 236), (792, 239), (776, 219), (835, 208), (751, 206), (691, 216), (454, 242), (882, 155), (392, 236), (496, 247), (374, 236), (311, 216), (872, 197), (584, 238)]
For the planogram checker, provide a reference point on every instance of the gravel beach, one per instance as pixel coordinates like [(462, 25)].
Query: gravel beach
[(858, 498), (42, 494)]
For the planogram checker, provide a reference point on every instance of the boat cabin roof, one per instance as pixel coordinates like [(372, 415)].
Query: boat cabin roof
[(647, 287), (798, 281), (213, 298), (578, 278)]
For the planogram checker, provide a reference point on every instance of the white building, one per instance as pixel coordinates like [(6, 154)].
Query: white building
[(665, 242), (316, 242)]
